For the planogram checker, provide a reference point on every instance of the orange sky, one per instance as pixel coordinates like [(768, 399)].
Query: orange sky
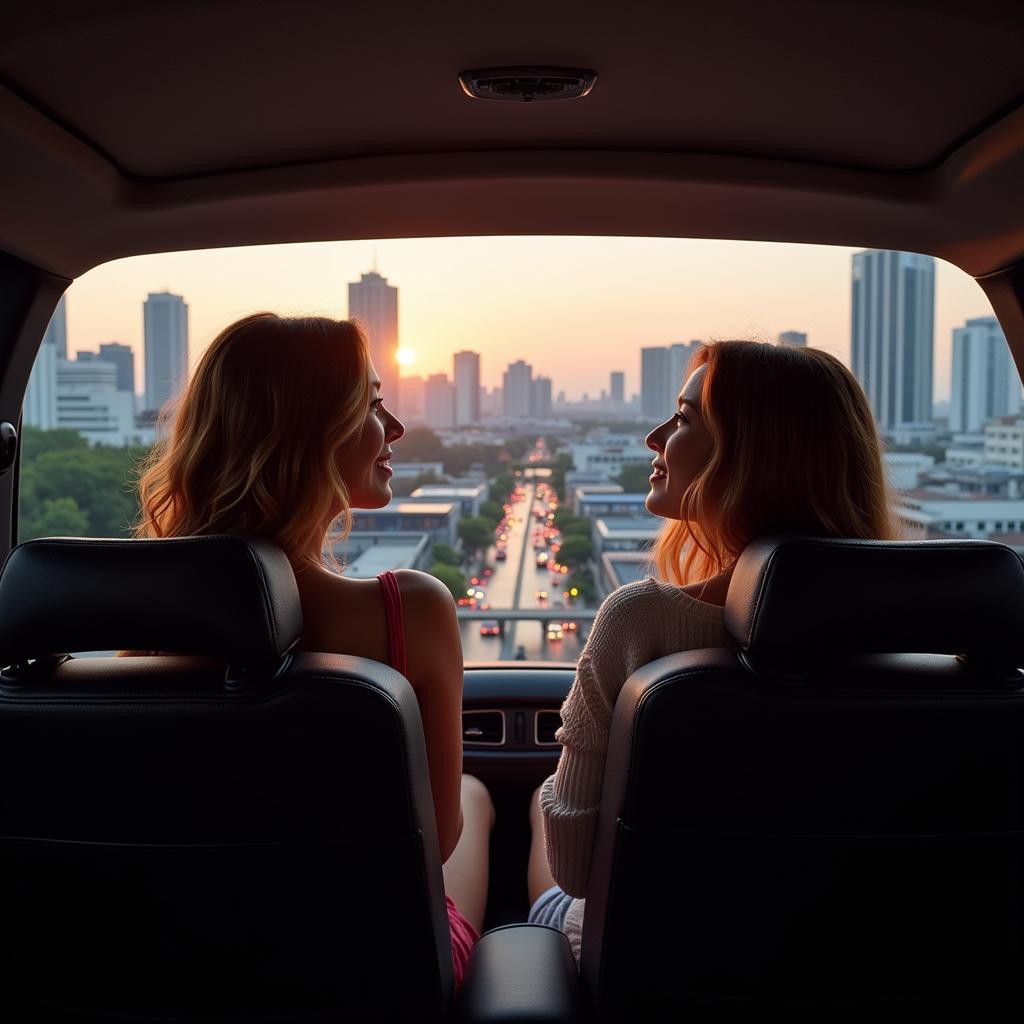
[(576, 308)]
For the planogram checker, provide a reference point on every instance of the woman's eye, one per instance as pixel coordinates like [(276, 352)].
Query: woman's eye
[(679, 418)]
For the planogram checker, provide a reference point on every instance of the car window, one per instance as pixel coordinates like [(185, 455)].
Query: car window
[(528, 372)]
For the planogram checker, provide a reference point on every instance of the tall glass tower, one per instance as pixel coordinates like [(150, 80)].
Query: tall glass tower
[(165, 327), (374, 303), (893, 318)]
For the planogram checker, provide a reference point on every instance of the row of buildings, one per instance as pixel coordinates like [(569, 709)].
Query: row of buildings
[(94, 393)]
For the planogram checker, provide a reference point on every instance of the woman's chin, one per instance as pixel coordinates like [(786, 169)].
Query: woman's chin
[(656, 504)]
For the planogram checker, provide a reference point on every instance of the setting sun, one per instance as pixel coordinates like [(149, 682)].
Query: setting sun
[(405, 357)]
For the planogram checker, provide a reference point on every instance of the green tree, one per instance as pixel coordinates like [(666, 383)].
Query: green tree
[(503, 484), (451, 578), (476, 533), (570, 524), (576, 551), (59, 464), (635, 478), (491, 510), (404, 487), (447, 554), (583, 580), (420, 444), (55, 517)]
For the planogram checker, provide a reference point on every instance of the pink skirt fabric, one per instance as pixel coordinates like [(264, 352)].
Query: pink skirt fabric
[(464, 936)]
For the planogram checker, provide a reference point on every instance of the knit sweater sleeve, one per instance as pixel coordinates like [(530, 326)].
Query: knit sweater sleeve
[(570, 798)]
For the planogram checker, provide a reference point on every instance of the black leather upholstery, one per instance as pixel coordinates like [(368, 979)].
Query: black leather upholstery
[(175, 847), (521, 974), (221, 596), (848, 848), (856, 597)]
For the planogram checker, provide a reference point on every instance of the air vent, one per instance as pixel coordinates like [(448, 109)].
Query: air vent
[(527, 84), (544, 727), (483, 727)]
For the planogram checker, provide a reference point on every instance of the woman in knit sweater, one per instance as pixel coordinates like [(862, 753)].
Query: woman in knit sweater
[(764, 440)]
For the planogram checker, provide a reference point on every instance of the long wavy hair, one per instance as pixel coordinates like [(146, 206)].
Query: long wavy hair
[(795, 451), (254, 440)]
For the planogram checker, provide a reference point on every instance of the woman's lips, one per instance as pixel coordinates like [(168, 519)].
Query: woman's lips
[(384, 468)]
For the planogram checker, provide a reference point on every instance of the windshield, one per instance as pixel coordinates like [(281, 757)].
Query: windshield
[(528, 372)]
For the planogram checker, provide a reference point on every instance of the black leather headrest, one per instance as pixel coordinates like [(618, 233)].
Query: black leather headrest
[(221, 596), (797, 602)]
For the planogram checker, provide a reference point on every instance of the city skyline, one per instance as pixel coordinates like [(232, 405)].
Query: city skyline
[(622, 295)]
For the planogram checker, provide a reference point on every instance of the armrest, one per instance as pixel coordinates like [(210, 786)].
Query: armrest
[(521, 973)]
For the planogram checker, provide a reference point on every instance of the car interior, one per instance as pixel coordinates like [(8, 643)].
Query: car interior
[(828, 817)]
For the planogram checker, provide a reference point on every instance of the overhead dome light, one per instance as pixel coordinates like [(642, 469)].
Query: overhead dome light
[(527, 84)]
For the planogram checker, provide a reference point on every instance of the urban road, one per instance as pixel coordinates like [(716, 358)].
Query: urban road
[(514, 586)]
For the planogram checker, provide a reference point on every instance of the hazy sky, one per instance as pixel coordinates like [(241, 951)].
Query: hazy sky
[(575, 308)]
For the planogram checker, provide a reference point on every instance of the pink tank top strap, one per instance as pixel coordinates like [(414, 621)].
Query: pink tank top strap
[(395, 621)]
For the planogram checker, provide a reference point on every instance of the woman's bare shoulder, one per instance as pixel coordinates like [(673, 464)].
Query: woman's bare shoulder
[(421, 586)]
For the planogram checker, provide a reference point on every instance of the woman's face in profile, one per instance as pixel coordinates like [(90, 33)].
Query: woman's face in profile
[(683, 445), (366, 466)]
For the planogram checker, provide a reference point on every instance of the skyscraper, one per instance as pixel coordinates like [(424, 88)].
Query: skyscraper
[(412, 398), (57, 329), (516, 387), (374, 303), (124, 359), (892, 334), (654, 383), (794, 339), (618, 388), (540, 398), (439, 399), (985, 381), (165, 323), (662, 371), (466, 373)]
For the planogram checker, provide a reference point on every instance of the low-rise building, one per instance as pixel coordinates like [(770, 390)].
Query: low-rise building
[(468, 496), (984, 481), (365, 554), (578, 493), (439, 519), (596, 505), (411, 470), (966, 450), (609, 455), (1004, 442), (624, 533), (617, 568), (904, 469), (926, 513)]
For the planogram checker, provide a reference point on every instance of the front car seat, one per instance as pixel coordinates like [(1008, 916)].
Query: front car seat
[(824, 823), (243, 835)]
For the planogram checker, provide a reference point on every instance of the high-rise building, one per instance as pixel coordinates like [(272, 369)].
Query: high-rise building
[(91, 373), (439, 400), (654, 400), (57, 330), (985, 381), (618, 387), (892, 335), (412, 398), (794, 339), (516, 387), (662, 372), (165, 324), (124, 359), (374, 303), (540, 398), (40, 409), (466, 374)]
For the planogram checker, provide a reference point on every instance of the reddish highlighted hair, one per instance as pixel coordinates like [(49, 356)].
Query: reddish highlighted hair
[(795, 451)]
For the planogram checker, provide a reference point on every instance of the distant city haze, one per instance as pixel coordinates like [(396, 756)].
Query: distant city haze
[(575, 309)]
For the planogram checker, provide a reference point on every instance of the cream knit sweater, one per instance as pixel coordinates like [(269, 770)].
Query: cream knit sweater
[(637, 623)]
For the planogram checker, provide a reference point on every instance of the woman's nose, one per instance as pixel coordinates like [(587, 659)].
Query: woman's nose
[(653, 440), (396, 429)]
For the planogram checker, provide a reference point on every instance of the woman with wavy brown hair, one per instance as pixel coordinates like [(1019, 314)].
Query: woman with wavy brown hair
[(763, 440), (281, 432)]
